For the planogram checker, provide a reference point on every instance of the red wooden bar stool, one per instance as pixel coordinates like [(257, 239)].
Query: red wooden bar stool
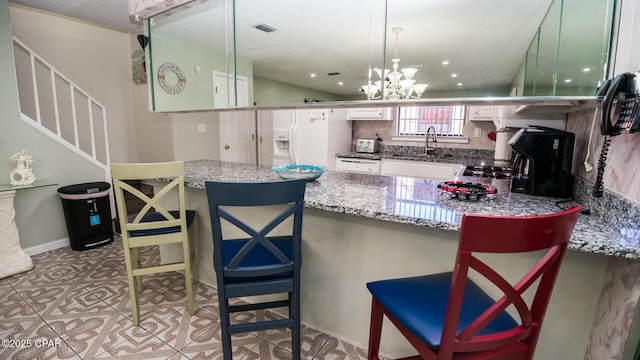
[(447, 316)]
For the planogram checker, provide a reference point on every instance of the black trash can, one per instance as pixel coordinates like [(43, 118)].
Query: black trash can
[(87, 212)]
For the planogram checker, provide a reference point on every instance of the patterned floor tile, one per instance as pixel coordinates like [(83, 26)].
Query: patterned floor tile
[(119, 337), (95, 271), (177, 328), (113, 292), (151, 349), (63, 302), (311, 342), (43, 299), (87, 334), (266, 350), (335, 348), (20, 326), (42, 274), (13, 306), (76, 304), (151, 298), (209, 347)]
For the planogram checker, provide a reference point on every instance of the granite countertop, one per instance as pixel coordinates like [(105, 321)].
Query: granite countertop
[(417, 202), (415, 154)]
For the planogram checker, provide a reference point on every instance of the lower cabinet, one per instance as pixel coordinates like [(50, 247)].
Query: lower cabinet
[(363, 166), (420, 169)]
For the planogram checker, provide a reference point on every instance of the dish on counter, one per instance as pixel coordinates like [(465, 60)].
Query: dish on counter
[(298, 171)]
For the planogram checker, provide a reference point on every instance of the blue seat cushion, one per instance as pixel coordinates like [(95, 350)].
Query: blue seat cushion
[(155, 216), (419, 304), (258, 256)]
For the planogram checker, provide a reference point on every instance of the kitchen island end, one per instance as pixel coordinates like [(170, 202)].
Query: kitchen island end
[(358, 228)]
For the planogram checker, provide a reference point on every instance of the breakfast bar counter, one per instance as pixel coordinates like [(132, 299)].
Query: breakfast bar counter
[(418, 202), (359, 228)]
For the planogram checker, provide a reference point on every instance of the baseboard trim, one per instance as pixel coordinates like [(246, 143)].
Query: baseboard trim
[(53, 245)]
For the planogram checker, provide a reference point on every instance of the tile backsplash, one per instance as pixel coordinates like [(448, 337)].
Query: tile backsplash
[(622, 166), (623, 160), (368, 129)]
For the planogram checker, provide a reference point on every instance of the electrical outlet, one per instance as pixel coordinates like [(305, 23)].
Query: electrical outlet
[(202, 128), (477, 132)]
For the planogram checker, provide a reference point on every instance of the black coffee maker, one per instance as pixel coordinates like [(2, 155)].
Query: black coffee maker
[(542, 162)]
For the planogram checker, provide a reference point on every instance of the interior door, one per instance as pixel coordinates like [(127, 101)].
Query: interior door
[(238, 136), (265, 138), (224, 92)]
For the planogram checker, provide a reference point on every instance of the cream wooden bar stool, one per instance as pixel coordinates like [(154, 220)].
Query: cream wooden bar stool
[(154, 224)]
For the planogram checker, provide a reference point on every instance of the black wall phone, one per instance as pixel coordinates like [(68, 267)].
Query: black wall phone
[(620, 114)]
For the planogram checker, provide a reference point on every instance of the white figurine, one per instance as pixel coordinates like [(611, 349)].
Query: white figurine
[(22, 174)]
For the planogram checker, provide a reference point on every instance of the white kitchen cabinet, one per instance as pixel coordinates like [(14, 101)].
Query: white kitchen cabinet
[(420, 169), (364, 166), (480, 113), (370, 114)]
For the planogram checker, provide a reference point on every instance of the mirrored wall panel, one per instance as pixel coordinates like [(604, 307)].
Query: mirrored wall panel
[(191, 56), (570, 52), (214, 54)]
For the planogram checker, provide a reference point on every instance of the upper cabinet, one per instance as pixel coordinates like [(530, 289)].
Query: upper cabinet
[(370, 114), (288, 52), (480, 113)]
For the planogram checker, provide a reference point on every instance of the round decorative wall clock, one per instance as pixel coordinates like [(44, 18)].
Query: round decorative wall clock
[(171, 78)]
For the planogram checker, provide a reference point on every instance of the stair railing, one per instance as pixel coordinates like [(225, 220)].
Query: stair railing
[(78, 129)]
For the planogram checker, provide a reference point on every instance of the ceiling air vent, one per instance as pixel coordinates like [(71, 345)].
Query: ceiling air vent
[(266, 28), (333, 73)]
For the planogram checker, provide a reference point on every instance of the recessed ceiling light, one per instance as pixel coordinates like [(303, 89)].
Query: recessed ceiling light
[(567, 81), (445, 62), (459, 84), (312, 75), (266, 28), (586, 69), (454, 75), (340, 83)]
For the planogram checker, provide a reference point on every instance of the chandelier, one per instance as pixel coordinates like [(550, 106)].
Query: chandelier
[(395, 86)]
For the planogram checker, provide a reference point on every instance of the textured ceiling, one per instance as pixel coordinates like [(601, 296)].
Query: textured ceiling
[(110, 13)]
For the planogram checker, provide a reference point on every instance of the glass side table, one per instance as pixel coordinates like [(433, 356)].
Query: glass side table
[(13, 260)]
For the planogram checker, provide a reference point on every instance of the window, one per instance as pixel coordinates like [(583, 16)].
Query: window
[(415, 120)]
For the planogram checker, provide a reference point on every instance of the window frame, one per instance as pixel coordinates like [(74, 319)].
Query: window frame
[(411, 132)]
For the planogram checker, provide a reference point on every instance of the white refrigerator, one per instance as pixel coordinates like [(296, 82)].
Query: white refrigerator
[(311, 137)]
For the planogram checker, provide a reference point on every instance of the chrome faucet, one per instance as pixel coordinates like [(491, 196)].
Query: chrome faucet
[(428, 136)]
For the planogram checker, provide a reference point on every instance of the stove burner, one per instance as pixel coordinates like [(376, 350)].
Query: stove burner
[(497, 172), (457, 189)]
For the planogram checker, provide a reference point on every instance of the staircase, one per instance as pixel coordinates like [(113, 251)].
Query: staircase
[(55, 106)]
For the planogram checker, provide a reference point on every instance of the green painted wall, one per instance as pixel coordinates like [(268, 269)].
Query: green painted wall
[(38, 211), (198, 90), (271, 92)]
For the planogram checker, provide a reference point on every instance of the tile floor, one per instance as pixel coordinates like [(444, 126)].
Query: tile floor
[(75, 305)]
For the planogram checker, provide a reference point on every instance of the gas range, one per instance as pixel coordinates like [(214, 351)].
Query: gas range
[(497, 172)]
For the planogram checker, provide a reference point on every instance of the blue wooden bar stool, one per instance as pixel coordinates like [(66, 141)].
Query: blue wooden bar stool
[(448, 316), (257, 263)]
